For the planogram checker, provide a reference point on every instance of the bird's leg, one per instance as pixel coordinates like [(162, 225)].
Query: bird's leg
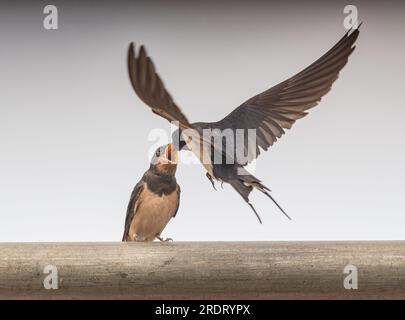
[(222, 184), (164, 240), (211, 180)]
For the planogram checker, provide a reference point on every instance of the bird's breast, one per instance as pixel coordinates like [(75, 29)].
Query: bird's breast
[(155, 203), (152, 214)]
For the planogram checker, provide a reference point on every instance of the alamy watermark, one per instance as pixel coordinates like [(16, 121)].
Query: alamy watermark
[(351, 20), (210, 146), (51, 280), (351, 281), (51, 19)]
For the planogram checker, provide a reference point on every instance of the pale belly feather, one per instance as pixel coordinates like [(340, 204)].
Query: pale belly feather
[(152, 215)]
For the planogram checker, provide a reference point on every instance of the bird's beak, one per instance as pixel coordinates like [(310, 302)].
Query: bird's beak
[(171, 154)]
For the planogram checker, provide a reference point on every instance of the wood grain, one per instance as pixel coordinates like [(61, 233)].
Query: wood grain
[(203, 270)]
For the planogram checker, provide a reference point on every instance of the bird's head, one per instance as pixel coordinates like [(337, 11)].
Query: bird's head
[(164, 161)]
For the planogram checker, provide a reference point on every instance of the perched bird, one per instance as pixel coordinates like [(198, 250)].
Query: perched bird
[(155, 199), (268, 113)]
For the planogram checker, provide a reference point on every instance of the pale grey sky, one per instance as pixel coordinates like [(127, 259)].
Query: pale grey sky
[(73, 135)]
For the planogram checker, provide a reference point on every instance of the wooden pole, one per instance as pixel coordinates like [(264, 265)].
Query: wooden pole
[(203, 270)]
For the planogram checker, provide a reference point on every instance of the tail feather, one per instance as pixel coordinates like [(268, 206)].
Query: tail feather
[(254, 210), (261, 187), (244, 186), (275, 202), (244, 191)]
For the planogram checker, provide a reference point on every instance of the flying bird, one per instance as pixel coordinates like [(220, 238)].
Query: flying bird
[(269, 113), (155, 198)]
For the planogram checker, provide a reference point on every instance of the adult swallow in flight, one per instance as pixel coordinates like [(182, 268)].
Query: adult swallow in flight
[(155, 199), (268, 113)]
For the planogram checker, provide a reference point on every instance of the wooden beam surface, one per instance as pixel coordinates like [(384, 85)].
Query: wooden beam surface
[(203, 270)]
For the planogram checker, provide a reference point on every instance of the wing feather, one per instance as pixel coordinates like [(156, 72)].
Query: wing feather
[(150, 88), (277, 108), (132, 205)]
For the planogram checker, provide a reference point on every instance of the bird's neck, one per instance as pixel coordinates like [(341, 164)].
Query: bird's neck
[(160, 184)]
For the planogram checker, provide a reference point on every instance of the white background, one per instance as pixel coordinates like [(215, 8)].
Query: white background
[(73, 135)]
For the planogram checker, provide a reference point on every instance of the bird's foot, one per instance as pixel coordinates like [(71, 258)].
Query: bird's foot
[(164, 240), (211, 180)]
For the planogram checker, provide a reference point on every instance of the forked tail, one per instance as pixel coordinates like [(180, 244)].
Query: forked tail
[(244, 186)]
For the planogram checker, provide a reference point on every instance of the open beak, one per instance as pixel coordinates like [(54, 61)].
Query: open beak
[(171, 154)]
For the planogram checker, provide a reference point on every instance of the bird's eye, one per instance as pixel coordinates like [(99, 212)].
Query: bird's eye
[(158, 153)]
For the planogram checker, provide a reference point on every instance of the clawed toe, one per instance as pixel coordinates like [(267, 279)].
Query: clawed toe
[(211, 180), (164, 240)]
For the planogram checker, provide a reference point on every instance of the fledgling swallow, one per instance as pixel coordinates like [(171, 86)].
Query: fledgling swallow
[(269, 113), (155, 198)]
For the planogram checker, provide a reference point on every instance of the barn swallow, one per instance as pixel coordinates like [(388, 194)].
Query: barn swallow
[(155, 198), (269, 113)]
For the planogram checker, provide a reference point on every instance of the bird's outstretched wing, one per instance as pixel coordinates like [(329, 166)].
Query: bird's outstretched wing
[(277, 108), (150, 88), (133, 203)]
